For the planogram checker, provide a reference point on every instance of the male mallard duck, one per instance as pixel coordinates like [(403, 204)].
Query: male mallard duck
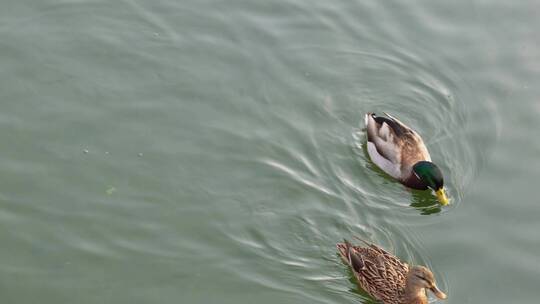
[(400, 152), (386, 278)]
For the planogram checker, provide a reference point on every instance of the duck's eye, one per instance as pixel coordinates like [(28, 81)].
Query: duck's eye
[(422, 278)]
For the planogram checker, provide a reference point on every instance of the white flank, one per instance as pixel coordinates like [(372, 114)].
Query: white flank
[(385, 165), (366, 119)]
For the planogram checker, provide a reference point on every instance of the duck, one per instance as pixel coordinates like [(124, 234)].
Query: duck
[(401, 153), (387, 279)]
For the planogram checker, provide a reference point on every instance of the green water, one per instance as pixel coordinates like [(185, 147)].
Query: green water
[(211, 151)]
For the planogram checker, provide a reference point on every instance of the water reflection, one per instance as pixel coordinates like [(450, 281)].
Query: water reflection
[(425, 202)]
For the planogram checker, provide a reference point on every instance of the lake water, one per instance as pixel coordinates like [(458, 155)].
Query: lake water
[(204, 151)]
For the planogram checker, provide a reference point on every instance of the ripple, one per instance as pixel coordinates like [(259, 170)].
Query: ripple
[(296, 176), (249, 115)]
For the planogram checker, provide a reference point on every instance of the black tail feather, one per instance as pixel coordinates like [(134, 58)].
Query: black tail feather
[(396, 126)]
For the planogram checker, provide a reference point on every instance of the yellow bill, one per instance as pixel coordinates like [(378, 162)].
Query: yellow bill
[(441, 196)]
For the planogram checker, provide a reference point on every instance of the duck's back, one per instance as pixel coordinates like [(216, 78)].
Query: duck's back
[(413, 150), (385, 275), (382, 275), (393, 146)]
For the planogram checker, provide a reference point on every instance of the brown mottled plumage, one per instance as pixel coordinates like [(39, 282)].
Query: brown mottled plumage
[(387, 279)]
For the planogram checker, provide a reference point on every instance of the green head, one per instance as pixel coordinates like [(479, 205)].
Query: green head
[(432, 177)]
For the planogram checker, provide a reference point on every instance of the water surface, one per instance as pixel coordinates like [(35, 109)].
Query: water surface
[(212, 151)]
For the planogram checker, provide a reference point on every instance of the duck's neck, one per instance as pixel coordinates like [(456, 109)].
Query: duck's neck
[(412, 181), (415, 295)]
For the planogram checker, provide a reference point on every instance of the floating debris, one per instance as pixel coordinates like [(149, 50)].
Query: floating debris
[(110, 191)]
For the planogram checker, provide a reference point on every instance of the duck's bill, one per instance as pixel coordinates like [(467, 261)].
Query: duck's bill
[(441, 196), (437, 292)]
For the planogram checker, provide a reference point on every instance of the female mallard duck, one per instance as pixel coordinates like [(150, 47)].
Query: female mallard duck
[(386, 278), (400, 152)]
